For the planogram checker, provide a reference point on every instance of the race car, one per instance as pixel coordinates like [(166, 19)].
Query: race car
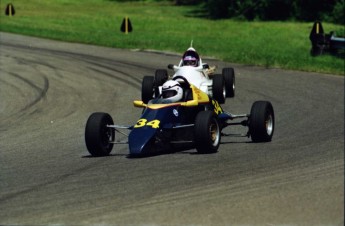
[(197, 121), (201, 75)]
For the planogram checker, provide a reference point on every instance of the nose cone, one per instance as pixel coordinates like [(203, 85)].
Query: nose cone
[(140, 139)]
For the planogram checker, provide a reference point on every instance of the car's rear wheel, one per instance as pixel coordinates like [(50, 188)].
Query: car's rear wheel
[(147, 88), (99, 137), (218, 88), (229, 77), (261, 121), (206, 132)]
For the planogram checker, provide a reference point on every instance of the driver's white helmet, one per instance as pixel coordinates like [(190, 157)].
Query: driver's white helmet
[(172, 91)]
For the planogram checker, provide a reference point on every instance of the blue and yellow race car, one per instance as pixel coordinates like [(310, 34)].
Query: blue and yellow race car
[(197, 122)]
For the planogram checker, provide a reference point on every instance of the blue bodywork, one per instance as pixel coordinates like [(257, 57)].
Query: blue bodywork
[(143, 133)]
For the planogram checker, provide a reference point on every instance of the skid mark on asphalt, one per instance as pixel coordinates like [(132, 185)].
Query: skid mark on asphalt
[(53, 181), (42, 91), (26, 99), (133, 84), (85, 58)]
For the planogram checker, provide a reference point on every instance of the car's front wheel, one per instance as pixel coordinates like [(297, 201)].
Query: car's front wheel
[(206, 132), (161, 76), (147, 89), (261, 121), (98, 136)]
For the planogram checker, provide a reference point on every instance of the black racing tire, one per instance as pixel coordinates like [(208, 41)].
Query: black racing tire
[(261, 121), (147, 88), (207, 134), (218, 88), (98, 136), (161, 76), (229, 77)]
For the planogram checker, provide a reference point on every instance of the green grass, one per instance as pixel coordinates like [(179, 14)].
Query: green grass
[(161, 26)]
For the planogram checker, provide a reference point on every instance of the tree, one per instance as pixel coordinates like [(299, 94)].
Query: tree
[(275, 10), (338, 15), (303, 10), (218, 9), (311, 10)]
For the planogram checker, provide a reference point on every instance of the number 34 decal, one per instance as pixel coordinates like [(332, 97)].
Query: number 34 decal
[(217, 108), (143, 122)]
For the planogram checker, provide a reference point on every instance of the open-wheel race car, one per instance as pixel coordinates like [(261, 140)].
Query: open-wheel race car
[(197, 120), (201, 75)]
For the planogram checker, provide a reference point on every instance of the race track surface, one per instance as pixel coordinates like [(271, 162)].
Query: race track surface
[(48, 89)]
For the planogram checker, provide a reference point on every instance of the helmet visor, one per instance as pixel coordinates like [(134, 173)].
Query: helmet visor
[(168, 93), (189, 62)]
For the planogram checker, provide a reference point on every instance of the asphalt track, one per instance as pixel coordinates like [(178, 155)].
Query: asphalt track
[(48, 89)]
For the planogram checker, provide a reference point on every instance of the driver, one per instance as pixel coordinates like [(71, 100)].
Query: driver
[(190, 58), (172, 91)]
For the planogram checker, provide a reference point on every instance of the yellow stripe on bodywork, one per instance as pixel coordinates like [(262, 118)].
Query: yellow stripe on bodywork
[(199, 97), (158, 106)]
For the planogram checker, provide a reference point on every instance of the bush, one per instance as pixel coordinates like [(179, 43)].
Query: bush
[(338, 15), (302, 10), (218, 9)]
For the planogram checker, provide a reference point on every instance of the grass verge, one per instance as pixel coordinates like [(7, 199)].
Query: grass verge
[(161, 26)]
